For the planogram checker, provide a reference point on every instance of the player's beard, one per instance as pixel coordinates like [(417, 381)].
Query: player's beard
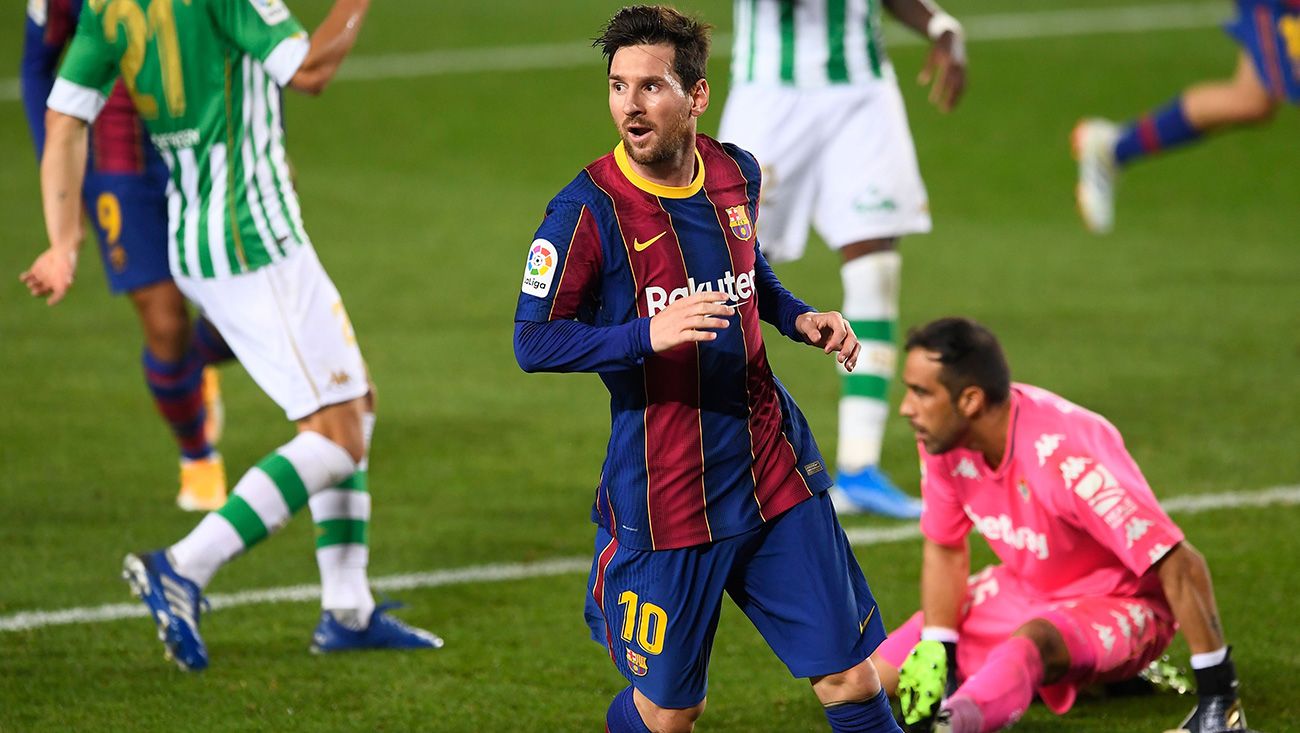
[(673, 144)]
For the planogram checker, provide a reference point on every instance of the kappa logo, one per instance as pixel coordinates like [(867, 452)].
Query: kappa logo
[(1122, 622), (1139, 615), (1158, 551), (540, 268), (1136, 530), (640, 246), (966, 469), (1106, 635), (272, 11), (339, 379), (1046, 445), (738, 219), (1072, 468)]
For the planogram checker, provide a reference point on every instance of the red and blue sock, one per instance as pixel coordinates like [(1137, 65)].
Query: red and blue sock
[(177, 389), (623, 716), (1164, 129), (867, 716), (208, 343)]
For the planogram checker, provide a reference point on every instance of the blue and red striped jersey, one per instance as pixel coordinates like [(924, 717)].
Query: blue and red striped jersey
[(705, 442), (118, 143)]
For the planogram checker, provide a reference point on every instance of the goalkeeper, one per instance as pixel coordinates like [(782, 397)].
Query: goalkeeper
[(1094, 579)]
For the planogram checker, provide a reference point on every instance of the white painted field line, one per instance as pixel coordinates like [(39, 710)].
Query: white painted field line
[(27, 620), (980, 28)]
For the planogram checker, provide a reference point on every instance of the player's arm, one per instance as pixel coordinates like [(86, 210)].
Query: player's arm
[(42, 45), (944, 569), (1185, 578), (795, 319), (63, 168), (929, 674), (945, 66), (330, 44)]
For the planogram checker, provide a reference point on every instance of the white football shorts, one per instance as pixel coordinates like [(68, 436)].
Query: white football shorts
[(288, 328), (839, 158)]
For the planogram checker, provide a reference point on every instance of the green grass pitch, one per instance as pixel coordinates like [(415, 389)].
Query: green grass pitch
[(422, 194)]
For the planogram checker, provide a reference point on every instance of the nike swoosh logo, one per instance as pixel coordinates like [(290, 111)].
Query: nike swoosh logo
[(641, 246)]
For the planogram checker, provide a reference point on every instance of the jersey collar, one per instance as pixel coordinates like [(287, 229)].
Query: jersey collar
[(655, 189)]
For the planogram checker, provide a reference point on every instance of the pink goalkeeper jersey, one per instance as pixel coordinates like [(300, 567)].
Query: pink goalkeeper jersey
[(1068, 511)]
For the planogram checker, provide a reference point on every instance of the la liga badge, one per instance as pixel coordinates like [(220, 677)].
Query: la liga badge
[(540, 268)]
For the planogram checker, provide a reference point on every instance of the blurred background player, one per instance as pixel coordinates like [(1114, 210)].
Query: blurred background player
[(125, 196), (1095, 576), (205, 77), (1267, 73), (713, 481), (815, 98)]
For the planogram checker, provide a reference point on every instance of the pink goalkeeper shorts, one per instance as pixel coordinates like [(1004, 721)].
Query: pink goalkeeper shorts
[(1109, 637)]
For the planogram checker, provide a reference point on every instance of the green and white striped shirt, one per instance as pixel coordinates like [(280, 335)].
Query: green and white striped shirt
[(205, 77), (807, 43)]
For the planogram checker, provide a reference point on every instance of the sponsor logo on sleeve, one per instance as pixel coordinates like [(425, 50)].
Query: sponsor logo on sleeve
[(1046, 445), (1104, 495), (813, 468), (272, 11), (540, 268)]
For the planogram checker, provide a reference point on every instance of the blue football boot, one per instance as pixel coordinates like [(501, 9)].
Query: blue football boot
[(174, 603), (871, 491), (384, 632)]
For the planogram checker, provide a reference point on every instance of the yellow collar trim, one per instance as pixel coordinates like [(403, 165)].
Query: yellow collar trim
[(655, 189)]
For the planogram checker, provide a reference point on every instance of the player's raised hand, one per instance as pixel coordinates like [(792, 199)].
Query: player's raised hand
[(694, 318), (832, 333), (50, 275), (946, 68)]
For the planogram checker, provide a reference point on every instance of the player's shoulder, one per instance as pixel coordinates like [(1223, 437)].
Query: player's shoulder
[(1057, 438), (743, 158)]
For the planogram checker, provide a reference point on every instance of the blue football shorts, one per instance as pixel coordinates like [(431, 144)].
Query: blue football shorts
[(795, 577), (1269, 30), (129, 213)]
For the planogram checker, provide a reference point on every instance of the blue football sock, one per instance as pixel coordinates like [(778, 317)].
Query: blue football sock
[(867, 716), (208, 343), (177, 389), (623, 716), (1157, 131)]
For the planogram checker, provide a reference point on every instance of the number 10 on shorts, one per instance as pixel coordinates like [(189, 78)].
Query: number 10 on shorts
[(649, 625)]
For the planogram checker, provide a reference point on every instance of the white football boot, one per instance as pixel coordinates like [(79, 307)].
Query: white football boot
[(1093, 141)]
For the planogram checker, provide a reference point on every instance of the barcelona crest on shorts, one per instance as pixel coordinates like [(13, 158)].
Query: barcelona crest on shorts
[(636, 663), (738, 217)]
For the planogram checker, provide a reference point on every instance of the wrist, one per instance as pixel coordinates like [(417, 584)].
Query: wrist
[(941, 23)]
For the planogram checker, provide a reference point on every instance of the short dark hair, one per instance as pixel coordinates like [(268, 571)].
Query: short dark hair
[(649, 25), (970, 354)]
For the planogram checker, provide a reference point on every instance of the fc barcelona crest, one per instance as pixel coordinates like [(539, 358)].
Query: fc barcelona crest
[(636, 663), (738, 217)]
